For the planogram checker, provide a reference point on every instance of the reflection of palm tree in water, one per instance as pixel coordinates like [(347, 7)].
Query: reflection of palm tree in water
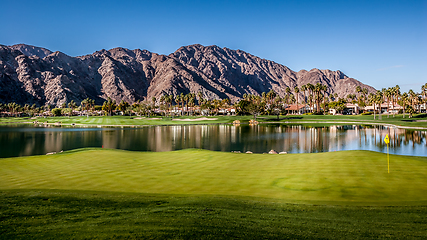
[(319, 139), (375, 136), (414, 136)]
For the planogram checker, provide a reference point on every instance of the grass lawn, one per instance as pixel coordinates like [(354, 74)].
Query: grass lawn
[(36, 214), (187, 194), (420, 122)]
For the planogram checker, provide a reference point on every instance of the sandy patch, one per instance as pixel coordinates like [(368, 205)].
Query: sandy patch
[(195, 119)]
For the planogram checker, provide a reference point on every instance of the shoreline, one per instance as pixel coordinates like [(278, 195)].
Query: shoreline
[(186, 123)]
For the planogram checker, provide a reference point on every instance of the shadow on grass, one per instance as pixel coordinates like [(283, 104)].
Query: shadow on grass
[(56, 214)]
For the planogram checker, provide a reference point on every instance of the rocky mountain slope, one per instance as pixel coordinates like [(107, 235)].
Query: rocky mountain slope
[(31, 74)]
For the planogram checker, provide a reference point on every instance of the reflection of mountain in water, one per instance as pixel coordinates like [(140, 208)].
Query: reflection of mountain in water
[(18, 141)]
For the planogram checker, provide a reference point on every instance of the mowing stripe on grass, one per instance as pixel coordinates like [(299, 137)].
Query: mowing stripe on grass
[(348, 177)]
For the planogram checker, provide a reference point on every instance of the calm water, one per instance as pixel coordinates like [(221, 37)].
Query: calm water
[(29, 140)]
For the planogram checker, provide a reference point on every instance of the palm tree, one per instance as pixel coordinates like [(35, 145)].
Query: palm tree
[(162, 103), (109, 106), (359, 91), (296, 89), (26, 109), (365, 94), (72, 105), (277, 106), (304, 88), (87, 104), (256, 106), (178, 100), (395, 97), (182, 97), (191, 103), (404, 99), (13, 108), (424, 94), (372, 101), (123, 106), (199, 97), (388, 95), (245, 96), (154, 99), (324, 89), (169, 100), (288, 91), (186, 99), (351, 97), (318, 88), (379, 99), (310, 88), (412, 98), (271, 96), (419, 100), (189, 97)]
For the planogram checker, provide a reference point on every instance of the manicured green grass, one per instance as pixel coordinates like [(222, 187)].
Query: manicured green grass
[(347, 177), (42, 214), (200, 194), (126, 120), (398, 120)]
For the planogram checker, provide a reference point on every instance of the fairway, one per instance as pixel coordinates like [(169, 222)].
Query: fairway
[(36, 214), (200, 194), (418, 122), (337, 178)]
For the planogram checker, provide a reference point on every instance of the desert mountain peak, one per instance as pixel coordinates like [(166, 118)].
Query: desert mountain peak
[(44, 77), (31, 51)]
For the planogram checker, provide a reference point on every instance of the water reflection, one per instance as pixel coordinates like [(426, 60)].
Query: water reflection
[(20, 141)]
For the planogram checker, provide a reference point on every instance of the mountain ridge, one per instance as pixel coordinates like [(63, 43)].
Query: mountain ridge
[(30, 74)]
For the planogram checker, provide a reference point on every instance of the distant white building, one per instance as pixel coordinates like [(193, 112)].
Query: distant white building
[(298, 109), (351, 109), (385, 108)]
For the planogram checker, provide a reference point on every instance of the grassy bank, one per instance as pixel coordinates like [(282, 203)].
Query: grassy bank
[(42, 214), (199, 194), (398, 120), (347, 177)]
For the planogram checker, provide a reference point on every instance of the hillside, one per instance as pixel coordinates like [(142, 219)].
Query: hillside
[(30, 74)]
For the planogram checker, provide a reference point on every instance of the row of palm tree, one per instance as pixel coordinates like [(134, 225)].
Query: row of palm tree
[(316, 96), (392, 96)]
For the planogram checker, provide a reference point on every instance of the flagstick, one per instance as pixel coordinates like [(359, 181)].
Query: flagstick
[(388, 160), (387, 141)]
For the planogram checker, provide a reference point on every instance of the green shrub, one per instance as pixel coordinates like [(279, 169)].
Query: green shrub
[(422, 115), (56, 112), (366, 113)]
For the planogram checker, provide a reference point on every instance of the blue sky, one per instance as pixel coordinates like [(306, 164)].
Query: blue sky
[(380, 43)]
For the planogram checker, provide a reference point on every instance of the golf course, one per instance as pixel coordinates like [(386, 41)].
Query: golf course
[(200, 194), (418, 121)]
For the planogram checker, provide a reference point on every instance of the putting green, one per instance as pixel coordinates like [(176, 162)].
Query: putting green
[(348, 177)]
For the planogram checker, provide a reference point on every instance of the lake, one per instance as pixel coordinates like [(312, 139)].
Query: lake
[(20, 140)]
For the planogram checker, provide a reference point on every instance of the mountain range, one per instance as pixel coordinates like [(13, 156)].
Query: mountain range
[(30, 74)]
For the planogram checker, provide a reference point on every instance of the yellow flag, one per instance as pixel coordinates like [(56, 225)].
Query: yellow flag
[(386, 139)]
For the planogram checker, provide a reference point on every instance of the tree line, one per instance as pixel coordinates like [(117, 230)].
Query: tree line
[(316, 96)]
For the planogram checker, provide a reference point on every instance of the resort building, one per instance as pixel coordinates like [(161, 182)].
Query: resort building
[(297, 109)]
